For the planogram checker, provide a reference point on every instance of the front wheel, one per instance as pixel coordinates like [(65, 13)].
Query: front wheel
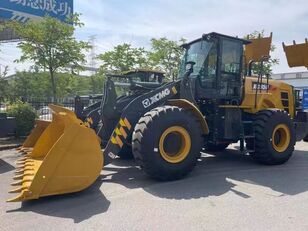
[(167, 142), (274, 137)]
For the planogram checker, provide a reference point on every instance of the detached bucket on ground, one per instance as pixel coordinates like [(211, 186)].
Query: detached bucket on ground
[(66, 158)]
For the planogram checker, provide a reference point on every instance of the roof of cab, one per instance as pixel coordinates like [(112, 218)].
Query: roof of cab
[(215, 34), (142, 70)]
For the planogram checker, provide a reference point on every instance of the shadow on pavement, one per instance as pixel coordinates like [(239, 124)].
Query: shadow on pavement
[(77, 206), (5, 167), (216, 175), (213, 176)]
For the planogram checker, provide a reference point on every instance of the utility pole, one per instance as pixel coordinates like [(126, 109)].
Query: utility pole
[(92, 56)]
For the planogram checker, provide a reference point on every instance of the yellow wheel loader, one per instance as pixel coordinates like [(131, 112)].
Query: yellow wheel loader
[(210, 105), (297, 57)]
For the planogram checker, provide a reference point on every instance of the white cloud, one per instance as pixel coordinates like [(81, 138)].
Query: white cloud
[(137, 21)]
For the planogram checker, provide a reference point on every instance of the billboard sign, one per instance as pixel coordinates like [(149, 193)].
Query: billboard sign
[(305, 99), (24, 10)]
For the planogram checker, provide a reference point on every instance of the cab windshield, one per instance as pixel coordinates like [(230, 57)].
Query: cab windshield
[(196, 52)]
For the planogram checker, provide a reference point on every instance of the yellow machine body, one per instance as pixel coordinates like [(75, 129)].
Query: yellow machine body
[(258, 48), (276, 94), (297, 54), (40, 126), (66, 158)]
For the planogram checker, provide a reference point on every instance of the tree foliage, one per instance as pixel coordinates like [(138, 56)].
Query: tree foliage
[(25, 117), (96, 83), (36, 85), (166, 55), (267, 66), (122, 58), (4, 91), (51, 45)]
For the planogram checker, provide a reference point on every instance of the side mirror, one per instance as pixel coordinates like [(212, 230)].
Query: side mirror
[(190, 66)]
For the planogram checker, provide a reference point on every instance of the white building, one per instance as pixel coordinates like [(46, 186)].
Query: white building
[(296, 79)]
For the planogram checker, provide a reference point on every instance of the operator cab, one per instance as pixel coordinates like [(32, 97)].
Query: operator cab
[(145, 75), (217, 71)]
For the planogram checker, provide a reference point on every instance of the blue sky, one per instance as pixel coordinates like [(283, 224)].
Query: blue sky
[(135, 21)]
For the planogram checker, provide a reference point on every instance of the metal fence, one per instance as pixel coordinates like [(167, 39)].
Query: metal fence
[(43, 111), (41, 106)]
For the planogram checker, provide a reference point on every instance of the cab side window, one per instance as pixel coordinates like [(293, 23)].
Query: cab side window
[(230, 77), (209, 70), (231, 55)]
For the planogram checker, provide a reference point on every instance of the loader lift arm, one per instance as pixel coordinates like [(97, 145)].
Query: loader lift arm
[(131, 114)]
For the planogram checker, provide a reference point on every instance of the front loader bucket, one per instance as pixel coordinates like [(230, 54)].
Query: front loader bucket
[(297, 54), (66, 158), (37, 131), (258, 48)]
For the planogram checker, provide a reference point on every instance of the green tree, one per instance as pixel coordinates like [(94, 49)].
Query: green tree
[(51, 45), (122, 58), (36, 85), (166, 55), (25, 117), (267, 66), (97, 83), (4, 85)]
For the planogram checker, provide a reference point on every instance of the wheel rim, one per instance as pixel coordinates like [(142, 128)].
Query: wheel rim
[(281, 138), (174, 144)]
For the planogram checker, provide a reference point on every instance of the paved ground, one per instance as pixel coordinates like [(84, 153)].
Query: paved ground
[(10, 143), (224, 192)]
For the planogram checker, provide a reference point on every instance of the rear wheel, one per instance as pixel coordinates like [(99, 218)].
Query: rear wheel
[(167, 142), (275, 137)]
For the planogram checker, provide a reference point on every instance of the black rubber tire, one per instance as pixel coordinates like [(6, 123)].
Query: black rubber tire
[(264, 124), (146, 140), (306, 139), (215, 148)]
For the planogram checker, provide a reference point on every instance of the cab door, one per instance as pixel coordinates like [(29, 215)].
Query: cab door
[(229, 73)]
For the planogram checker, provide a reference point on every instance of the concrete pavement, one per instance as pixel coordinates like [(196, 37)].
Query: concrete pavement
[(227, 191)]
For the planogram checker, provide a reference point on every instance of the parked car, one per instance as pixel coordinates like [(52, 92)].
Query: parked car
[(3, 107), (45, 113)]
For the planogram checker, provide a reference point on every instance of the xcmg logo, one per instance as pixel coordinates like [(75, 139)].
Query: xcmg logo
[(148, 102)]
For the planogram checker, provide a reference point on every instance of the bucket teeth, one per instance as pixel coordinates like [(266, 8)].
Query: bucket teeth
[(20, 182), (20, 162), (21, 176), (18, 177), (22, 158), (18, 171), (15, 199), (17, 183), (25, 151), (22, 170), (16, 190), (21, 197), (25, 165)]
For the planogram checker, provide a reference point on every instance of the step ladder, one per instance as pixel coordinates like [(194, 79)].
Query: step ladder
[(247, 133)]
